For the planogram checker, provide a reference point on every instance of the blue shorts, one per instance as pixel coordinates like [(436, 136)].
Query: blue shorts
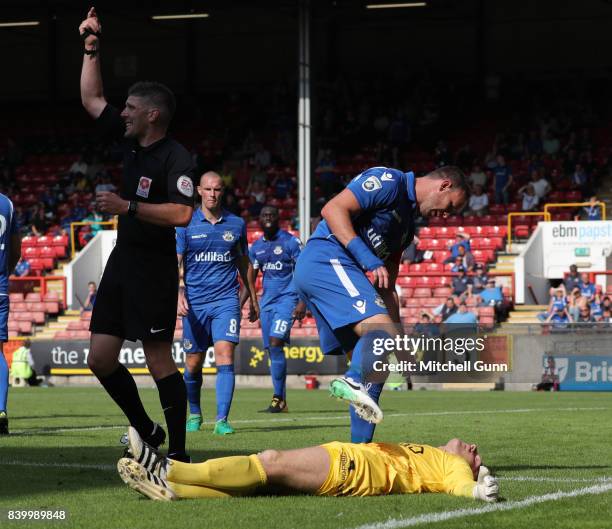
[(276, 322), (205, 325), (337, 292), (4, 312)]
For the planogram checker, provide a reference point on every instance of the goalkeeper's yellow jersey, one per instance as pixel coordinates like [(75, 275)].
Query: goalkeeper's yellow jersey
[(379, 468)]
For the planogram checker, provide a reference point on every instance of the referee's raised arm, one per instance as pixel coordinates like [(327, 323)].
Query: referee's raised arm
[(92, 93)]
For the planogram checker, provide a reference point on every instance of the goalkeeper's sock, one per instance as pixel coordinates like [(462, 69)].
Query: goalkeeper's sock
[(173, 399), (224, 390), (121, 387), (235, 474), (363, 431), (278, 370), (4, 382), (193, 383), (197, 491)]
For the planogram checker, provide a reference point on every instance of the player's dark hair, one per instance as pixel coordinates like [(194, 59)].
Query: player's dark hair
[(270, 207), (158, 95), (454, 174)]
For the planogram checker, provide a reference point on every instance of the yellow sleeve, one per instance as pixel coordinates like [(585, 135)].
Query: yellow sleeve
[(458, 477)]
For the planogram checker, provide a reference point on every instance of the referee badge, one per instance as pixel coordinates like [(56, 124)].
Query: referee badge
[(144, 186), (228, 236), (185, 186), (278, 250)]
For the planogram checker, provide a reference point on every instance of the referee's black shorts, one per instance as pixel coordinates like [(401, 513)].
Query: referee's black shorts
[(137, 296)]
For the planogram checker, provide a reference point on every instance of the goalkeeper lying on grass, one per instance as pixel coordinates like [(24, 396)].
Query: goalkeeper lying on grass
[(332, 469)]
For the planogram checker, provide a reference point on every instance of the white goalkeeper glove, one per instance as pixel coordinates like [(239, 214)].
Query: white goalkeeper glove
[(487, 487)]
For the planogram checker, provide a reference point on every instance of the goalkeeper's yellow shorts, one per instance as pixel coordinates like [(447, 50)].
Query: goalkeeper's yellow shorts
[(357, 470)]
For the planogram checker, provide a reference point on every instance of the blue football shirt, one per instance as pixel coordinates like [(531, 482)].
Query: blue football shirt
[(387, 199), (7, 228), (276, 259), (209, 256)]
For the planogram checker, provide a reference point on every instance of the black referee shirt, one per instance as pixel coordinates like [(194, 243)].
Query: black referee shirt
[(161, 173)]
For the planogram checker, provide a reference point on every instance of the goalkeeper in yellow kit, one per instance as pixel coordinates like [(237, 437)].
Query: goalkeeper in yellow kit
[(332, 469)]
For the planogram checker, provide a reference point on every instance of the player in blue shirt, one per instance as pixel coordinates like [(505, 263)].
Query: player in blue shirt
[(365, 228), (275, 254), (10, 251), (213, 250)]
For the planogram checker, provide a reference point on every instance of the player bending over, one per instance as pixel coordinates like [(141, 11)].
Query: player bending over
[(366, 228), (332, 469)]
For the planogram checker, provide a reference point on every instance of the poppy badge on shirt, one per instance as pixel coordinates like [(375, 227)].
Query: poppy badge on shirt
[(144, 186)]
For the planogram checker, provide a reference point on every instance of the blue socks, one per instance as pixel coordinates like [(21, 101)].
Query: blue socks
[(363, 431), (193, 383), (225, 390), (4, 379), (278, 370)]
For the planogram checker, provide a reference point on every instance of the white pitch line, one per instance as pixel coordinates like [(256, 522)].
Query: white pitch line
[(297, 419), (57, 465), (603, 479), (492, 507)]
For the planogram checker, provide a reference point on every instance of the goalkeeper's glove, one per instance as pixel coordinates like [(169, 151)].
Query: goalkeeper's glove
[(487, 487)]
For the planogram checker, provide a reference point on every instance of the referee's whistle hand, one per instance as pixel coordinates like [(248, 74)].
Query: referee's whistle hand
[(108, 202)]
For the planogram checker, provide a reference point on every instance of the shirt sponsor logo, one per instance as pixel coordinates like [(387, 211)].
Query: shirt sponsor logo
[(144, 186), (260, 252), (378, 244), (185, 186), (228, 236), (273, 266), (213, 257), (200, 236), (372, 183), (278, 250)]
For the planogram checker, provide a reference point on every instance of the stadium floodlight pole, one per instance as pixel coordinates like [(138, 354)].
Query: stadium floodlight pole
[(304, 126), (19, 24)]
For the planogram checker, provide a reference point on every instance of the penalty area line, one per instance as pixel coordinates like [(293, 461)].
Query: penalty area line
[(297, 419), (491, 507)]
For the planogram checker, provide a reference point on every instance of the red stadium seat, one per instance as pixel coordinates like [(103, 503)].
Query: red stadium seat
[(442, 292), (30, 252), (426, 232), (421, 292), (62, 335), (25, 327), (15, 297), (28, 241), (33, 297), (19, 306), (434, 267), (47, 252)]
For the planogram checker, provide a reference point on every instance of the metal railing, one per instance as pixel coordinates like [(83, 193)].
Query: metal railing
[(544, 214), (73, 225), (576, 205)]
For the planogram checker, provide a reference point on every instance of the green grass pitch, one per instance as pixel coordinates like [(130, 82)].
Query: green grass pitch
[(65, 445)]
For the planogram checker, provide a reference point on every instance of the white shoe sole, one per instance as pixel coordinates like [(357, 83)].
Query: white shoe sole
[(139, 479), (364, 405)]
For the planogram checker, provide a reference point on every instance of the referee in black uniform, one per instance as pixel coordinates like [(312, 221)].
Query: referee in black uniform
[(137, 297)]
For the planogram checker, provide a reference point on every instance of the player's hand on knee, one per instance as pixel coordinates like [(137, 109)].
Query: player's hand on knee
[(299, 312), (92, 26), (380, 277), (487, 487)]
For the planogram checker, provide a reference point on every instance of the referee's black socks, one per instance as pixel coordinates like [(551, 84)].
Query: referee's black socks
[(173, 398), (121, 387)]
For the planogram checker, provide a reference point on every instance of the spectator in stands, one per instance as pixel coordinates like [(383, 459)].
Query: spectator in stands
[(587, 289), (461, 239), (530, 200), (230, 203), (579, 178), (477, 177), (575, 302), (447, 309), (596, 305), (592, 211), (462, 284), (606, 304), (479, 280), (607, 317), (104, 183), (479, 202), (551, 144), (95, 217), (22, 268), (539, 183), (79, 166), (572, 280), (282, 185), (262, 157), (534, 143), (560, 318), (90, 300), (327, 177), (585, 318), (464, 260), (258, 198), (550, 377), (425, 326), (557, 301), (412, 254), (492, 296), (462, 316), (502, 179), (38, 220)]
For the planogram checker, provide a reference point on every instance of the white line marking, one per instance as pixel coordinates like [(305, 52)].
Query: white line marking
[(57, 465), (602, 479), (345, 417), (492, 507)]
